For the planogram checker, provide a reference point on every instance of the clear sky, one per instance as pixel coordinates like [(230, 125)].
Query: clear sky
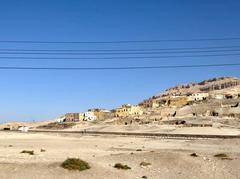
[(39, 95)]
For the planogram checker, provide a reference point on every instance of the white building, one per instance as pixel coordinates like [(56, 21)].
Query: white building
[(219, 96), (198, 96), (60, 119), (23, 128), (89, 116)]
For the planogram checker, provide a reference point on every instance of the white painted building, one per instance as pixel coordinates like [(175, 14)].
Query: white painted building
[(89, 116), (60, 119), (23, 128), (198, 96)]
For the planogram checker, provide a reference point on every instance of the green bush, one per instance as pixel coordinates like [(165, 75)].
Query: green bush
[(75, 164)]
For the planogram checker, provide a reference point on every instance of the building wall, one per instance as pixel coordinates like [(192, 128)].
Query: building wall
[(72, 117), (81, 116), (149, 103), (127, 110), (178, 101), (101, 113), (155, 104), (198, 96), (89, 116)]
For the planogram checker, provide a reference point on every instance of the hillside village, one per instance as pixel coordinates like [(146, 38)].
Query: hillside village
[(190, 104), (213, 102)]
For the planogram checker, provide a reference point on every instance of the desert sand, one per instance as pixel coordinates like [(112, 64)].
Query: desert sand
[(169, 158)]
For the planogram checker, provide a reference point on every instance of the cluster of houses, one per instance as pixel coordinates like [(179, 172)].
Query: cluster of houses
[(93, 114), (180, 100), (90, 115), (127, 110), (173, 100)]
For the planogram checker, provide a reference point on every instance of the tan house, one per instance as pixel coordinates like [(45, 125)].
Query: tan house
[(81, 116), (101, 113), (74, 117), (149, 103), (128, 110)]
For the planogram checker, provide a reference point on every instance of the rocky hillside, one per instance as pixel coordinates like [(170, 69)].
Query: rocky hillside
[(204, 86)]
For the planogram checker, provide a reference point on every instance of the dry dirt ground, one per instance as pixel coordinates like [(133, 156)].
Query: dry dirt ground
[(169, 158)]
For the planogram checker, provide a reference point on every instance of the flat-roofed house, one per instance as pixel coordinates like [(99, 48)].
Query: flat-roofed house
[(198, 96), (101, 113), (71, 117), (149, 103), (127, 110)]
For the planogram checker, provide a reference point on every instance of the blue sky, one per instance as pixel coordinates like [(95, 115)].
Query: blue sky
[(40, 95)]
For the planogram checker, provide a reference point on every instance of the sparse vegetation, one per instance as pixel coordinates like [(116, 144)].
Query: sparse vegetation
[(10, 145), (121, 166), (43, 150), (144, 164), (222, 156), (226, 158), (30, 152), (75, 164), (193, 155), (139, 150)]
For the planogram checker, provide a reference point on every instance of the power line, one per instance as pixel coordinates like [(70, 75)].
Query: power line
[(116, 50), (111, 58), (119, 41), (118, 68), (116, 53)]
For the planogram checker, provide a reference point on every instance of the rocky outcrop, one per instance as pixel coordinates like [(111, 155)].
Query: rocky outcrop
[(204, 86)]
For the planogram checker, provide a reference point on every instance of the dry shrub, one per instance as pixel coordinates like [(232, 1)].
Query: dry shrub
[(144, 164), (222, 156), (75, 164), (30, 152), (193, 155), (121, 166)]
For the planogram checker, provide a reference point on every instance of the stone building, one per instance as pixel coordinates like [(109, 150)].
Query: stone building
[(101, 113), (128, 110), (149, 103), (198, 96), (74, 117)]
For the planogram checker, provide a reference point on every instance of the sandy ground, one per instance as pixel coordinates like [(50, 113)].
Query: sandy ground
[(172, 129), (168, 158)]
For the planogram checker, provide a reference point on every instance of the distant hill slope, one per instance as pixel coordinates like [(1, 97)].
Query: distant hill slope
[(204, 86)]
